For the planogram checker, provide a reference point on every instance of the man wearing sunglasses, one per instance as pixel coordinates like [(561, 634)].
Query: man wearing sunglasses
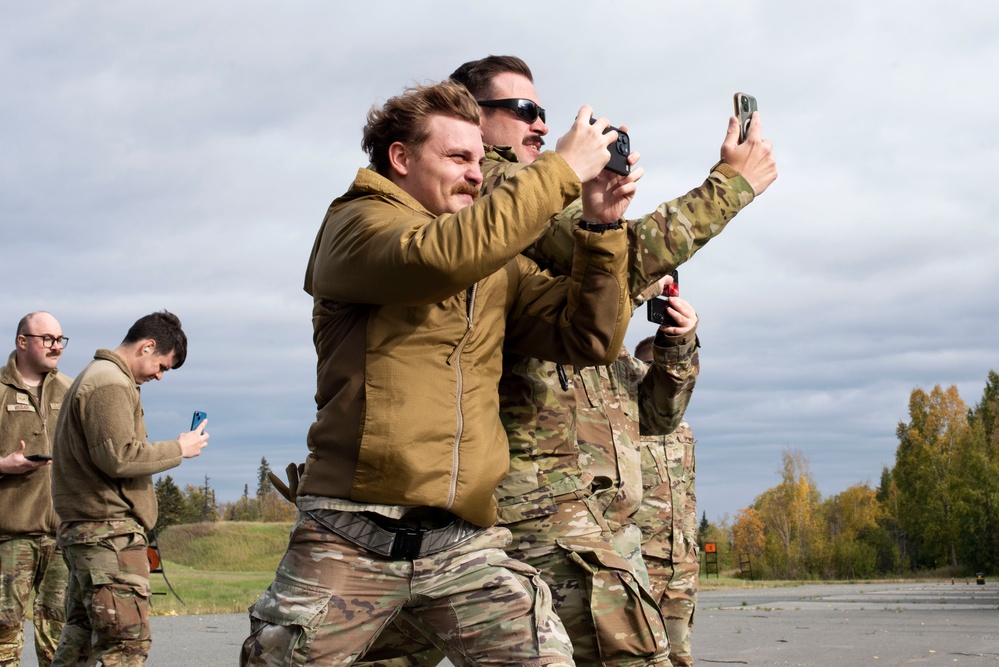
[(572, 485), (31, 392), (570, 523)]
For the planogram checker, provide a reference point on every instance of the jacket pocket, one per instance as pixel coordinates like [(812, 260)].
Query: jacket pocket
[(626, 619)]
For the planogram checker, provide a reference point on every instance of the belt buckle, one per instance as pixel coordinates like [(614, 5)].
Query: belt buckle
[(407, 543)]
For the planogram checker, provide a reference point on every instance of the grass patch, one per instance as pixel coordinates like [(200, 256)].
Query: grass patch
[(217, 568), (207, 592), (226, 546)]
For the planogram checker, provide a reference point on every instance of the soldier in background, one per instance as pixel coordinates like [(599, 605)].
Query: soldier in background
[(668, 520), (31, 392), (102, 489)]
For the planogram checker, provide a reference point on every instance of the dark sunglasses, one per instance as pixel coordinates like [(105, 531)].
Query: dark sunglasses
[(526, 110)]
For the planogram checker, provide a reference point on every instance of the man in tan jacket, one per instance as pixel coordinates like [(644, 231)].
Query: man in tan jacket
[(31, 391), (417, 284), (102, 489)]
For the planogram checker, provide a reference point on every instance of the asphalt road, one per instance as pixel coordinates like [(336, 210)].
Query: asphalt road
[(822, 625)]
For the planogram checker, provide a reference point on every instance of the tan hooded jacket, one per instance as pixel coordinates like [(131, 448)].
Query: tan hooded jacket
[(410, 319)]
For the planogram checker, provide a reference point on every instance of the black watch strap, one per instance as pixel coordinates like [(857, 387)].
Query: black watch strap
[(599, 226)]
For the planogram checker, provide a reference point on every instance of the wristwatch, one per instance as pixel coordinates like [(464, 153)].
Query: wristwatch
[(599, 226)]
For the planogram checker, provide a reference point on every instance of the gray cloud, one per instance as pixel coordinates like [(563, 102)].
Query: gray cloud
[(164, 158)]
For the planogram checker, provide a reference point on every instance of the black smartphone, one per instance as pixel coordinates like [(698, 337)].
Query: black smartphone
[(619, 151), (199, 417), (39, 457), (745, 105), (656, 308)]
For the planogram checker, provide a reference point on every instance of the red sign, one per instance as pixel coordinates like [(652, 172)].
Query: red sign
[(710, 547)]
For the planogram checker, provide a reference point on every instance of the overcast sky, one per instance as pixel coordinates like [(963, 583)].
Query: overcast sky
[(182, 156)]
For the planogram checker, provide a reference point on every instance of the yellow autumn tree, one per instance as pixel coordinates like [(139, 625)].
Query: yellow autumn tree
[(791, 515)]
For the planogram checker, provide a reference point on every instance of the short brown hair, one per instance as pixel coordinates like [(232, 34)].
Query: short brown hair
[(477, 75), (404, 118)]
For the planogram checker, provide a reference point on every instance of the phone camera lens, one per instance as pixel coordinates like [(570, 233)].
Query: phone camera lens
[(745, 104)]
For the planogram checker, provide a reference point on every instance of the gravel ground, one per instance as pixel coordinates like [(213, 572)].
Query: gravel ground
[(823, 624)]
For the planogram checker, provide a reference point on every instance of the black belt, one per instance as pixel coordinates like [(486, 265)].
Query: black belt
[(396, 542)]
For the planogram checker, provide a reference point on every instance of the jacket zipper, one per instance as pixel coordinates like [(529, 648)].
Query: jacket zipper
[(455, 358)]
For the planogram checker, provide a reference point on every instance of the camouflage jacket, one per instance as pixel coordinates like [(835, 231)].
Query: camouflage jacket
[(668, 514), (657, 242), (538, 399), (584, 439)]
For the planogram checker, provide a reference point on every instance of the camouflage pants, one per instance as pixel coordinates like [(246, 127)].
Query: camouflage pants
[(674, 586), (331, 598), (599, 585), (107, 605), (26, 564)]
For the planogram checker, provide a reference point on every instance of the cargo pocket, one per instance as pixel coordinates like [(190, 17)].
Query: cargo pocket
[(120, 606), (626, 619), (284, 622)]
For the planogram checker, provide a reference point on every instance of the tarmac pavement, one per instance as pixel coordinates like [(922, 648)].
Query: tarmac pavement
[(816, 625)]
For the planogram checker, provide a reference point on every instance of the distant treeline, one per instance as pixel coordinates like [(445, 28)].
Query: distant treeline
[(196, 504), (937, 508)]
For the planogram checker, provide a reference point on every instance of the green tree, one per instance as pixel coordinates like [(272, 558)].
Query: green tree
[(171, 503), (854, 531), (976, 489), (201, 505), (263, 482), (926, 474)]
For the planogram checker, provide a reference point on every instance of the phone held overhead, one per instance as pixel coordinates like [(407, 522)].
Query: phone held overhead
[(745, 105)]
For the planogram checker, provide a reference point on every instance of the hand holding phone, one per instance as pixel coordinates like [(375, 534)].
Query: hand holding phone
[(38, 458), (619, 151), (657, 308), (745, 105)]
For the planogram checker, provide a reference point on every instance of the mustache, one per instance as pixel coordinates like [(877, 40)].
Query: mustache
[(466, 189), (535, 138)]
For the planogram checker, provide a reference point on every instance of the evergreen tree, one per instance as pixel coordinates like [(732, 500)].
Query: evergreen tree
[(702, 527), (171, 503), (264, 485)]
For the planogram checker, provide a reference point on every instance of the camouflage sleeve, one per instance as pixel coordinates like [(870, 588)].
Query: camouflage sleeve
[(689, 527), (666, 388), (662, 240)]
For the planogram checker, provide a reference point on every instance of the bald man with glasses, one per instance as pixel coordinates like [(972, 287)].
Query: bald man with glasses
[(31, 392)]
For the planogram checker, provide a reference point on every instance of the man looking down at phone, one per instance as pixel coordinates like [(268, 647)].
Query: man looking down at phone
[(102, 489), (31, 392), (418, 284)]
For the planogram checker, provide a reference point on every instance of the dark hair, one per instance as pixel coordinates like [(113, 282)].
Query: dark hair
[(164, 328), (404, 118), (477, 75), (643, 350)]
